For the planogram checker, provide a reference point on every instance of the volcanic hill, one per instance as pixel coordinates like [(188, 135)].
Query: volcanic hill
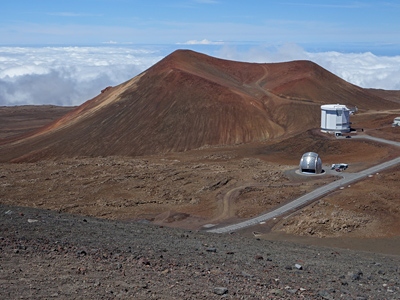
[(190, 100)]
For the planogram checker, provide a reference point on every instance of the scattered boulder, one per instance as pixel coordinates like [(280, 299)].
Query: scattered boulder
[(325, 295), (211, 249), (298, 267), (356, 275), (220, 290), (106, 89)]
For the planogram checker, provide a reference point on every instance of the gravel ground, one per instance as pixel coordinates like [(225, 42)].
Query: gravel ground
[(50, 255)]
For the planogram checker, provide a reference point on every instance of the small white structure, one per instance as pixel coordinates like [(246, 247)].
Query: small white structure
[(335, 118), (310, 163), (396, 122)]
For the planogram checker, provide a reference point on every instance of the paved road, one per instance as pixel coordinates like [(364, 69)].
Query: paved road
[(347, 179), (372, 138)]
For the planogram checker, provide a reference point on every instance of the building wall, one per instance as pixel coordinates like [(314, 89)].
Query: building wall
[(335, 118)]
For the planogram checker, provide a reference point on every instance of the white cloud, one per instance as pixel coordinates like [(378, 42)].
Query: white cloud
[(201, 42), (363, 69), (73, 75), (66, 75)]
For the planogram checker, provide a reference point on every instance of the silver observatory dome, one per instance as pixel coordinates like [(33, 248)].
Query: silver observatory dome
[(310, 163)]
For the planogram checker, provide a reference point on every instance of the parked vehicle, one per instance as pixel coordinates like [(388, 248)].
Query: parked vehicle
[(339, 167)]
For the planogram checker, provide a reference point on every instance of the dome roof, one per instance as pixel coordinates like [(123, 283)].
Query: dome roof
[(310, 163)]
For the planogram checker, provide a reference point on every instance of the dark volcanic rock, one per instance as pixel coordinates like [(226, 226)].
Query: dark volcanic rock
[(63, 255)]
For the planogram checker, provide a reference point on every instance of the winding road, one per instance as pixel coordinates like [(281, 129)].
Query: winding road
[(347, 178)]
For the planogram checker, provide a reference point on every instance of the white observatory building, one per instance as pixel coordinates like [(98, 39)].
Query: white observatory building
[(335, 118), (310, 163)]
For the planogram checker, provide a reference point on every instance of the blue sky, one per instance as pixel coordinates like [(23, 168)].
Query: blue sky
[(65, 52), (307, 22)]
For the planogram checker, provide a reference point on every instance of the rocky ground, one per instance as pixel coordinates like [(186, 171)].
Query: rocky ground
[(207, 186), (50, 255), (343, 214), (189, 192), (107, 227)]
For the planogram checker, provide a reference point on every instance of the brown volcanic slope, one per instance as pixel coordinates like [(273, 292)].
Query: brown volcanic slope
[(189, 100), (17, 120)]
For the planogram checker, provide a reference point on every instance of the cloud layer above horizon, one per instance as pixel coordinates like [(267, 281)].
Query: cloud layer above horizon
[(69, 76), (66, 76)]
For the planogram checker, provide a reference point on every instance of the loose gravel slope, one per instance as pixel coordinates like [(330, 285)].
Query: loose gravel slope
[(47, 255)]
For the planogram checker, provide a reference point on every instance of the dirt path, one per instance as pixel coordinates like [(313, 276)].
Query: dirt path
[(227, 208)]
